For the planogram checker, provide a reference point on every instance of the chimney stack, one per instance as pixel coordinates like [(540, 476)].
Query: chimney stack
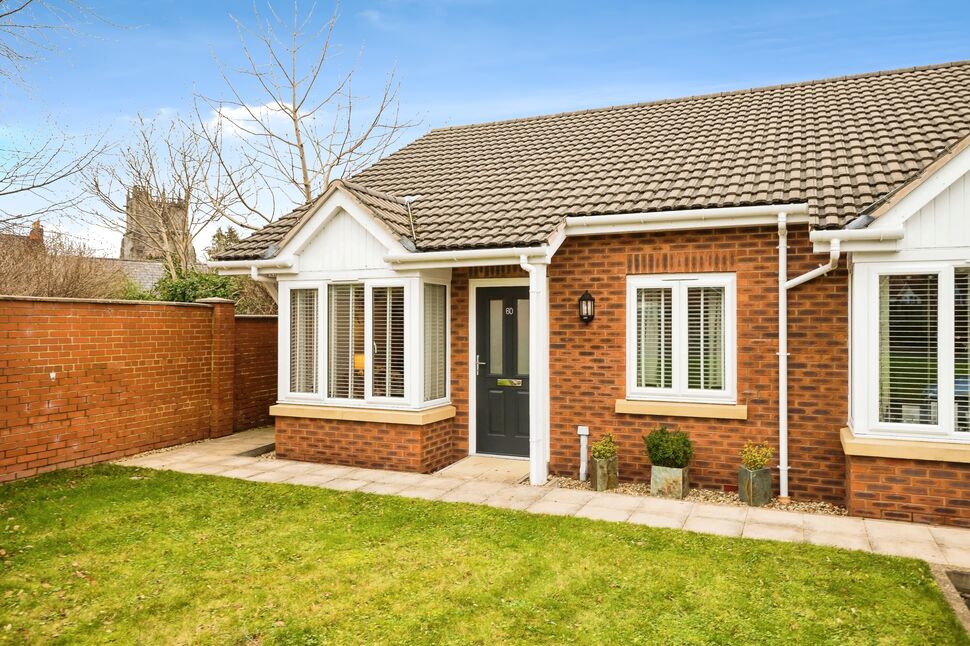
[(36, 233)]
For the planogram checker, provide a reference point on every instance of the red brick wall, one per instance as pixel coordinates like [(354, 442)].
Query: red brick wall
[(588, 362), (911, 490), (127, 377), (255, 371), (398, 447)]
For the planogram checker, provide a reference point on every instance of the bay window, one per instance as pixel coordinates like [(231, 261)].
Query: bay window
[(681, 337), (370, 343), (910, 350)]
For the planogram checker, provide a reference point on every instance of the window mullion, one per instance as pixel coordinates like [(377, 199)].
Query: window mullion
[(323, 337), (679, 321), (946, 337), (368, 342)]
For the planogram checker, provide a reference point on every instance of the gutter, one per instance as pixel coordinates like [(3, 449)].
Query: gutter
[(696, 218), (271, 263), (467, 257)]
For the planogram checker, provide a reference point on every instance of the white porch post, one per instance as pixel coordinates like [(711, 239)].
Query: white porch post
[(538, 372)]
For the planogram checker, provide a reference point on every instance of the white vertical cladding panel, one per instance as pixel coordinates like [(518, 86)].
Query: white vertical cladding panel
[(944, 222), (343, 244)]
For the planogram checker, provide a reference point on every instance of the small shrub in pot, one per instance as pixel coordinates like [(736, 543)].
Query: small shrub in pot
[(754, 476), (670, 452), (604, 474)]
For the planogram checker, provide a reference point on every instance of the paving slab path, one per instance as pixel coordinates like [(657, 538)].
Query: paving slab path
[(949, 546)]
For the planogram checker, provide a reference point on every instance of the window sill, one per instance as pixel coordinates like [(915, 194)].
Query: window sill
[(350, 414), (915, 449), (681, 409)]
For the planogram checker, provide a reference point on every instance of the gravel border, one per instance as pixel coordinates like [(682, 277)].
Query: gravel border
[(164, 449), (707, 496)]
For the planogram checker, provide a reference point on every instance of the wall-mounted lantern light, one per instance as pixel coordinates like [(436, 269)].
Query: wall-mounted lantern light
[(587, 307)]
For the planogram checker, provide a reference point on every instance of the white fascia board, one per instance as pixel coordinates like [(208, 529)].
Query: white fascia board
[(278, 265), (763, 215), (858, 240), (604, 225), (465, 257)]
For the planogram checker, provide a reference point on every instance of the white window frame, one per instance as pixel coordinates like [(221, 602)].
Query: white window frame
[(441, 401), (865, 353), (283, 349), (413, 344), (678, 284)]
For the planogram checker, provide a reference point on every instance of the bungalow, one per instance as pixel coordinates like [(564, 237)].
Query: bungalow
[(787, 264)]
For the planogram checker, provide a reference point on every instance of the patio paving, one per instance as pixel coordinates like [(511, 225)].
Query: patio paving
[(473, 483)]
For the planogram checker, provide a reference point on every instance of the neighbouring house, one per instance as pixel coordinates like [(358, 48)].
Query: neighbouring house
[(143, 273), (786, 264)]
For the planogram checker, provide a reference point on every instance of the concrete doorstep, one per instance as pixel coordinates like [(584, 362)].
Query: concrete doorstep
[(471, 483)]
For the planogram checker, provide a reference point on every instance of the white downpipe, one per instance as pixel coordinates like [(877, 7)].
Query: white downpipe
[(835, 250), (783, 355), (538, 371), (783, 286)]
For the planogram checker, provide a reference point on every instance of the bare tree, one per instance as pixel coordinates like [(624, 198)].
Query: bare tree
[(165, 187), (34, 165), (27, 29), (56, 265), (296, 132)]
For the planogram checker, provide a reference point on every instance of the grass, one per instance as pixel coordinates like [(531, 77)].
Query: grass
[(119, 555)]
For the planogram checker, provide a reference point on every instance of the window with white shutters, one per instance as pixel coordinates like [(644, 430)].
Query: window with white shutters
[(655, 327), (345, 349), (387, 323), (303, 340), (435, 341), (681, 337), (705, 338), (908, 349)]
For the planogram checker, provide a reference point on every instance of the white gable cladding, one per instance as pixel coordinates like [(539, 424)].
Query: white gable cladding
[(944, 222), (342, 244)]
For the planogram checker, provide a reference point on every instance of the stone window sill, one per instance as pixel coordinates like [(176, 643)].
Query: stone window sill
[(879, 447), (681, 409), (409, 417)]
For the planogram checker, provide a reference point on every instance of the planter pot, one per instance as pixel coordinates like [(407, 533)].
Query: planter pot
[(604, 474), (754, 487), (668, 482)]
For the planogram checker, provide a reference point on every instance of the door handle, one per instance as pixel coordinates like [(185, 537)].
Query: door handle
[(478, 364)]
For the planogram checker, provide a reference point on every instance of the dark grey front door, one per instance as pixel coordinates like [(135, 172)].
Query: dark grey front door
[(502, 370)]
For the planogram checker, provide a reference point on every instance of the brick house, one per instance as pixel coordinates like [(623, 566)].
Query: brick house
[(785, 264)]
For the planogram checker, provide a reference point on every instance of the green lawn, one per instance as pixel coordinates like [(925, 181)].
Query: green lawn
[(112, 554)]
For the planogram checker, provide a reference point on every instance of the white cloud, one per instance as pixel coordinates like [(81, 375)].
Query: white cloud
[(242, 121)]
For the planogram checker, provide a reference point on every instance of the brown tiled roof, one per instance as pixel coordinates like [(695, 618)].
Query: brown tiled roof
[(838, 144)]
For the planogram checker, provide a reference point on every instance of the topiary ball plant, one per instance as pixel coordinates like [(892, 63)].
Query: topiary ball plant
[(669, 448)]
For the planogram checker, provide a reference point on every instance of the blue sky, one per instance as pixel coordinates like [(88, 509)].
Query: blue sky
[(462, 61)]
